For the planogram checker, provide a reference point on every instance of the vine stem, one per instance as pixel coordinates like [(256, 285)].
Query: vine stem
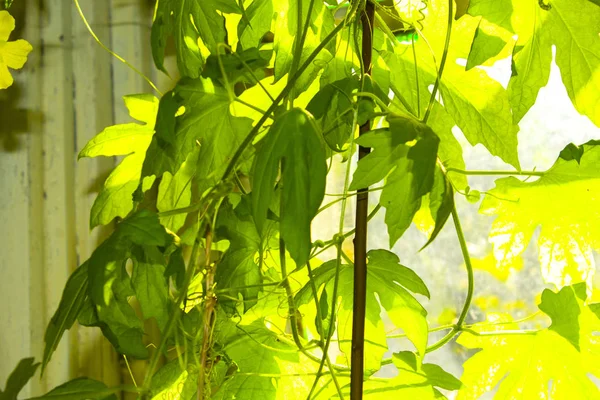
[(112, 53), (442, 62), (209, 318), (495, 173), (359, 305), (470, 289)]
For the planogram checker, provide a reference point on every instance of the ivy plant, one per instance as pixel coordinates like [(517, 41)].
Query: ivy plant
[(213, 205)]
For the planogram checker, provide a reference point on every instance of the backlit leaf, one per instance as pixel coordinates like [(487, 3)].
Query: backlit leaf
[(521, 365), (130, 140), (564, 202)]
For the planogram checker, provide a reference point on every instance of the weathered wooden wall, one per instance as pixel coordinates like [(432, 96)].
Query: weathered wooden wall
[(69, 90)]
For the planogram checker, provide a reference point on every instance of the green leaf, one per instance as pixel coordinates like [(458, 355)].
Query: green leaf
[(71, 303), (412, 169), (531, 61), (414, 380), (260, 17), (564, 310), (498, 12), (390, 281), (403, 76), (18, 378), (197, 27), (521, 365), (467, 100), (568, 25), (150, 285), (478, 104), (239, 271), (110, 285), (400, 199), (293, 141), (81, 389), (196, 112), (574, 30), (130, 140), (175, 191), (565, 244), (484, 47)]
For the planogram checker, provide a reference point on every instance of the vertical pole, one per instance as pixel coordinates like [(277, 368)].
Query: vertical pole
[(360, 238)]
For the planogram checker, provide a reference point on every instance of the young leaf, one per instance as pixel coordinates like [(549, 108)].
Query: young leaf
[(130, 140), (18, 378), (570, 190), (81, 389), (521, 364), (293, 141), (71, 303)]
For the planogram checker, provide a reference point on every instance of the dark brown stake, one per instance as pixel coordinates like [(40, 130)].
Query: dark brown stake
[(360, 237)]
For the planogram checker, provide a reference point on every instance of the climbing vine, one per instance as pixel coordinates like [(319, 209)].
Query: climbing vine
[(279, 101)]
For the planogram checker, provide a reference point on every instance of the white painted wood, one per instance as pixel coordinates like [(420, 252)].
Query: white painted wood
[(69, 90), (93, 107)]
